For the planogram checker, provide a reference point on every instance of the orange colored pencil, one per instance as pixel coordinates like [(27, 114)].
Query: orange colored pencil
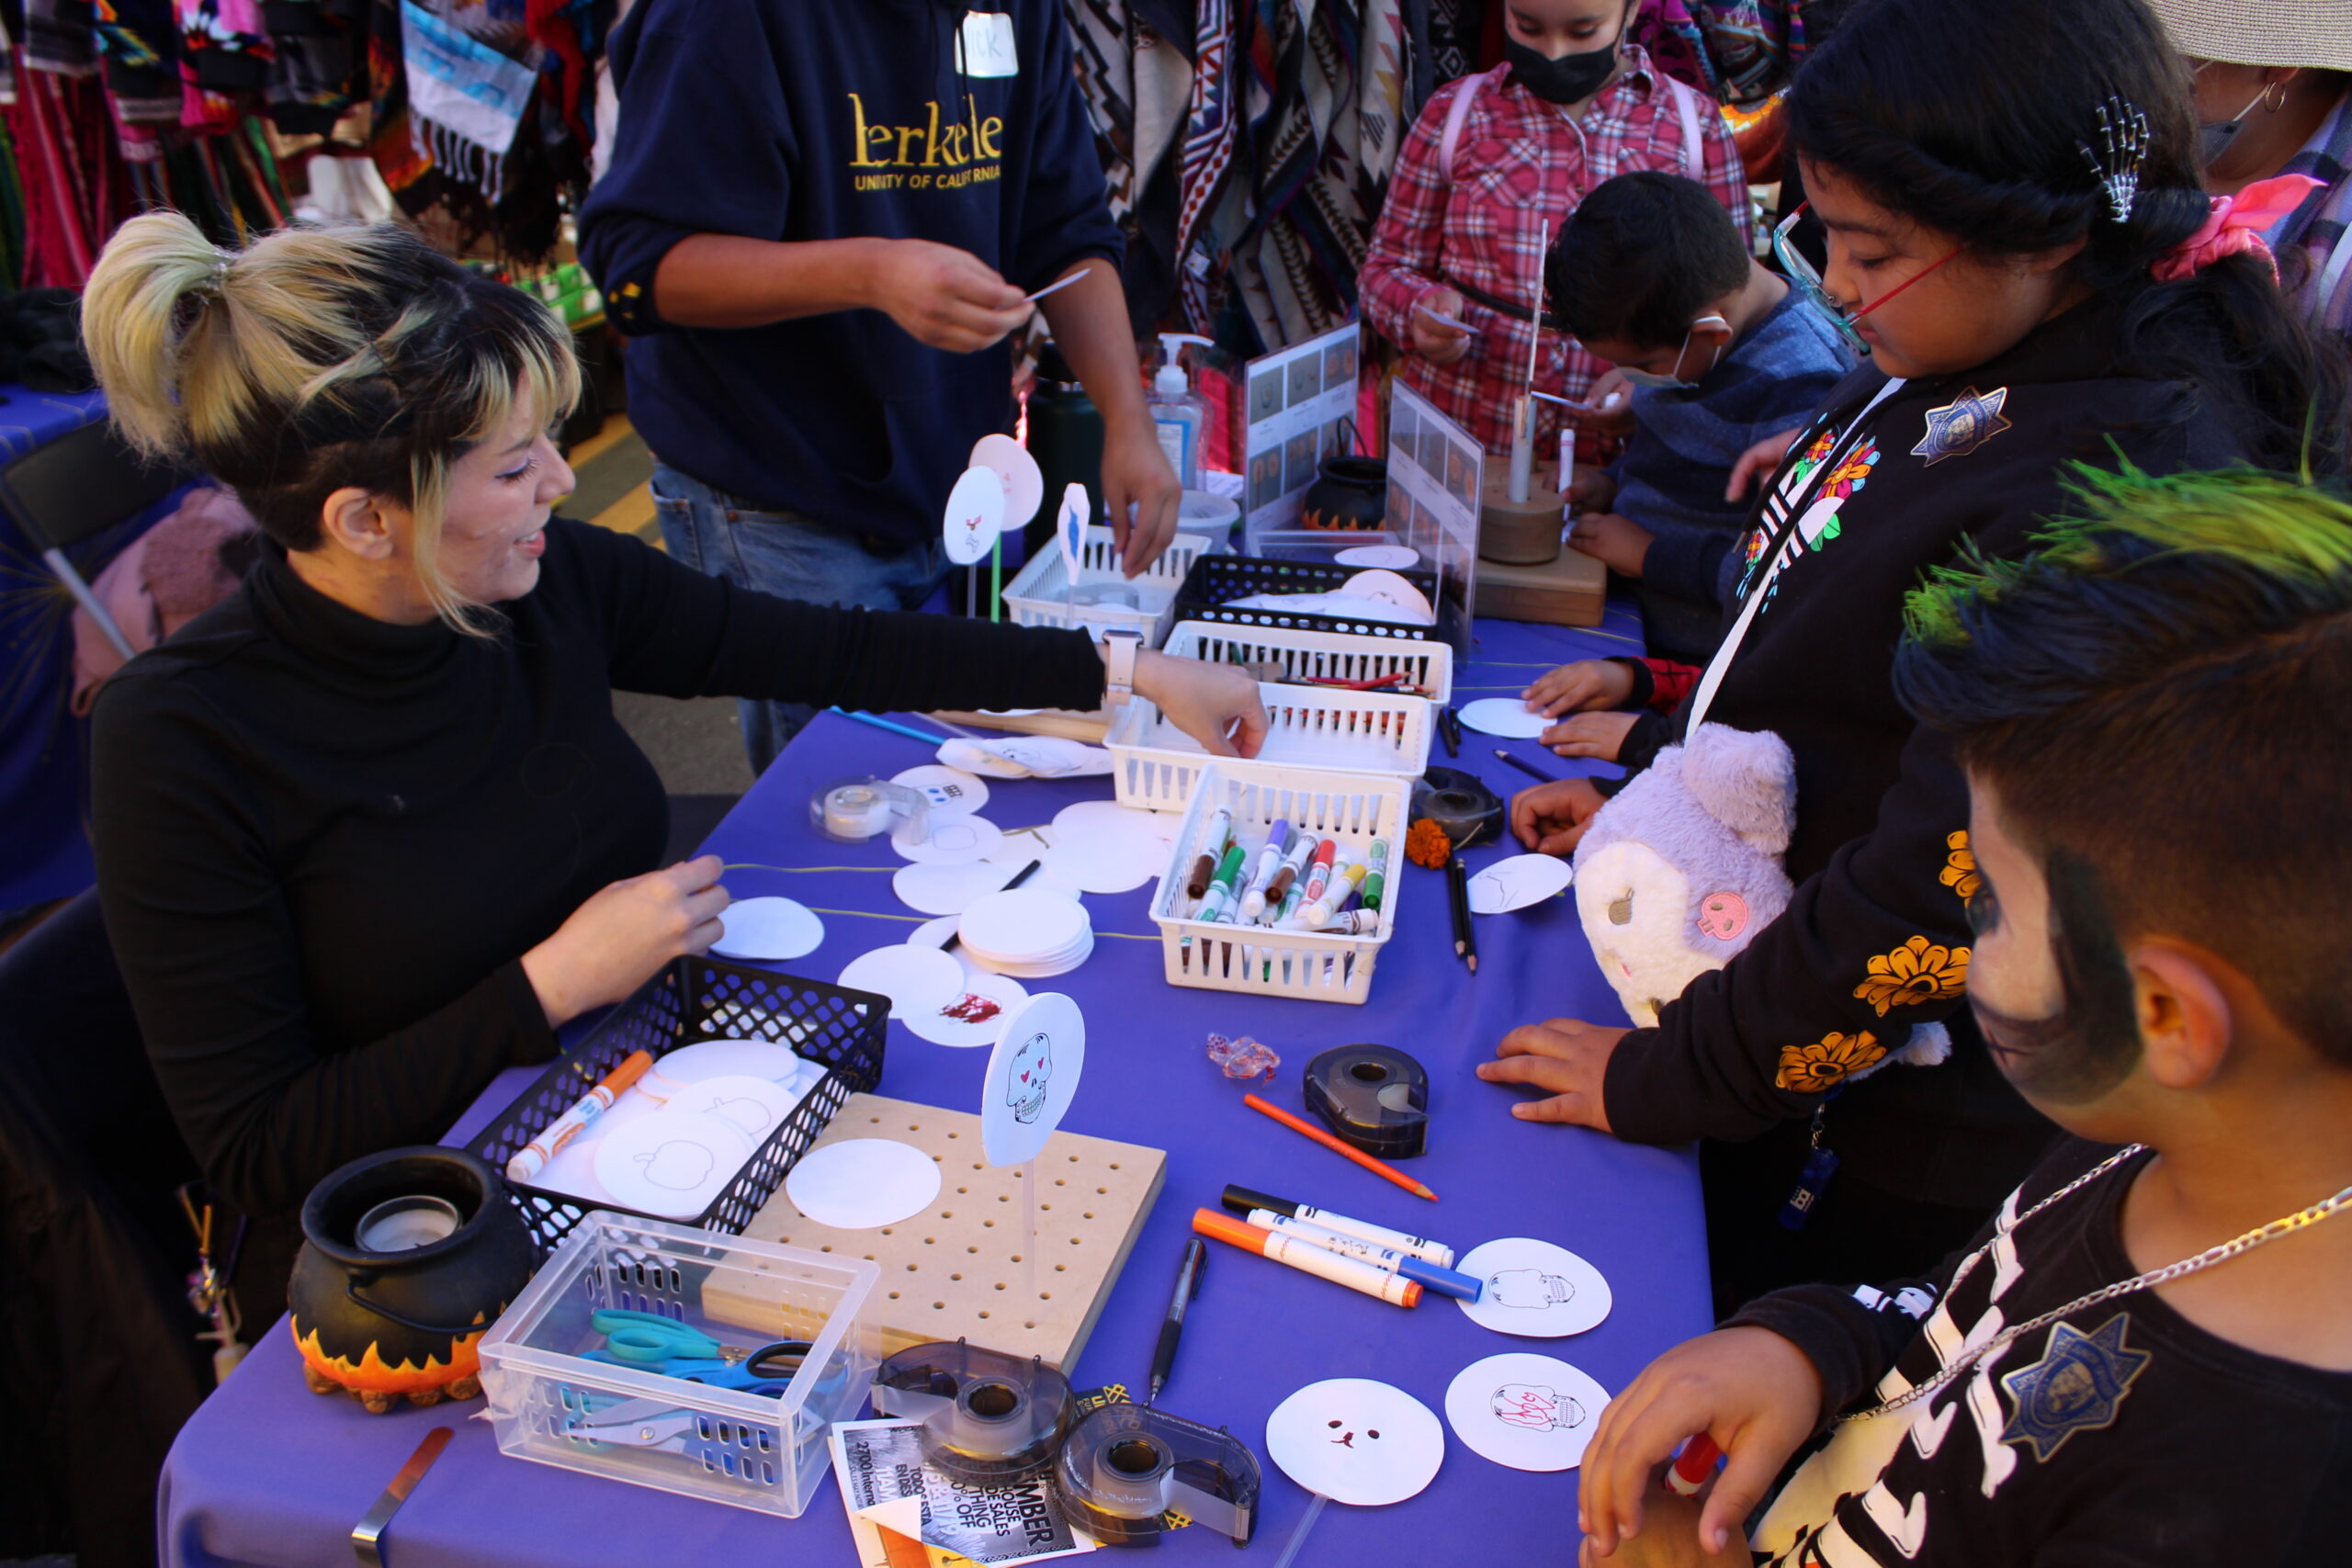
[(1378, 1168)]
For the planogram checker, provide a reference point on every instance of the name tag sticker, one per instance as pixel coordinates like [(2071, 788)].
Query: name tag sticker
[(985, 47)]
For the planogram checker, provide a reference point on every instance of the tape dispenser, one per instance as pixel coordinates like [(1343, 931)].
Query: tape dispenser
[(850, 811), (1460, 804), (1124, 1469), (986, 1416), (1374, 1098)]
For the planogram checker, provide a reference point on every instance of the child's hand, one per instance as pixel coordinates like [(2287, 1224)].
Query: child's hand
[(1598, 415), (1619, 543), (1591, 489), (1749, 1389), (1433, 340), (1587, 683), (1596, 734), (1551, 818), (1758, 462)]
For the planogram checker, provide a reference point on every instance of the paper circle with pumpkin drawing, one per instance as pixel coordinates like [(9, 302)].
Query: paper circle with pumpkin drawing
[(1033, 1075)]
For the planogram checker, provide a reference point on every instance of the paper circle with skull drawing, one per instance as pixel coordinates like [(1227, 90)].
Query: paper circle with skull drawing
[(1534, 1288), (1525, 1412), (1033, 1072)]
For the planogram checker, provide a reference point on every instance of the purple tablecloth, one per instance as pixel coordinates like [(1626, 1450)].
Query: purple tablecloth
[(270, 1473)]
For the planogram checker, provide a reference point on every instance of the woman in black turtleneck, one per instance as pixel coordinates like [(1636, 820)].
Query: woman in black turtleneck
[(368, 832)]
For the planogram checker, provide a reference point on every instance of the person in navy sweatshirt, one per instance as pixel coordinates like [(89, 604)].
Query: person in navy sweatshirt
[(820, 224)]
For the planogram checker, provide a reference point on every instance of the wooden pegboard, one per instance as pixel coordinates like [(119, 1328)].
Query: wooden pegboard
[(955, 1270)]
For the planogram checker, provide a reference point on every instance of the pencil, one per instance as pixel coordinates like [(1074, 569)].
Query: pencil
[(1378, 1168), (1465, 943), (1530, 769)]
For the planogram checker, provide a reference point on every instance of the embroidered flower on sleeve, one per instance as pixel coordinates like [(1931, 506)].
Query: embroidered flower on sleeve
[(1812, 1069), (1960, 866), (1917, 972)]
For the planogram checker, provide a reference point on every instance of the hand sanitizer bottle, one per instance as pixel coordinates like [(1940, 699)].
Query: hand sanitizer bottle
[(1179, 414)]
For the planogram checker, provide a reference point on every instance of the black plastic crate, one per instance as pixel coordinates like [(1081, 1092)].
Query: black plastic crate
[(692, 1000), (1215, 581)]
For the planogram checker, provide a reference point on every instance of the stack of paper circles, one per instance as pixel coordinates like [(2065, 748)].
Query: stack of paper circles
[(1026, 933)]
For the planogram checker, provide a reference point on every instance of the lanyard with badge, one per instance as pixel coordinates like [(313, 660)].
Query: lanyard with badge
[(984, 45)]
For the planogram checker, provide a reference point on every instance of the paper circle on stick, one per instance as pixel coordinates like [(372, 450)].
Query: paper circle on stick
[(673, 1163), (939, 889), (916, 979), (1390, 556), (859, 1183), (1515, 883), (1070, 527), (1534, 1288), (767, 928), (1357, 1441), (1031, 1076), (1390, 589), (951, 791), (975, 1015), (975, 516), (951, 840), (755, 1105), (1506, 716), (1525, 1412), (1023, 482)]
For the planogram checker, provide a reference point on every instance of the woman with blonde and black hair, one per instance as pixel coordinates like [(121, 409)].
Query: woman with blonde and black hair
[(368, 832)]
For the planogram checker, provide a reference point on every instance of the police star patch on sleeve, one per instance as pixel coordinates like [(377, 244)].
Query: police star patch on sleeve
[(2078, 1386), (1963, 424)]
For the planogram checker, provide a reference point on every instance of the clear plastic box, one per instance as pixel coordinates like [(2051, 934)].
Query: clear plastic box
[(1260, 960), (744, 1449), (1036, 597)]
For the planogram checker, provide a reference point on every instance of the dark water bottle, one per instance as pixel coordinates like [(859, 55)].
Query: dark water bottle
[(1066, 437)]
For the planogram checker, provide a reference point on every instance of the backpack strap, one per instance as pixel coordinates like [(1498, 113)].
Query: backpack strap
[(1694, 146), (1457, 114)]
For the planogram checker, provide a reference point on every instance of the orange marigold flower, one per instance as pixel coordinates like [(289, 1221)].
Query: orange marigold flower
[(1917, 972), (1426, 844), (1960, 866), (1811, 1069)]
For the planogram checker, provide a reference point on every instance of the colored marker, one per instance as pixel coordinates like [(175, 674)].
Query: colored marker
[(1316, 912), (1381, 1168), (1387, 1259), (1309, 1258), (1351, 922), (1286, 877), (1693, 1466), (1269, 860), (1241, 1199), (533, 1156), (1218, 905), (1220, 829), (1319, 870), (1376, 880)]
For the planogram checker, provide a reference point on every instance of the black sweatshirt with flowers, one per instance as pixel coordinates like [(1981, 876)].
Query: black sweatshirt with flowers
[(1875, 941)]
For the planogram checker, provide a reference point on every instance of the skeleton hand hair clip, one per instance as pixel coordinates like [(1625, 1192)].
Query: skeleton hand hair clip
[(2122, 144)]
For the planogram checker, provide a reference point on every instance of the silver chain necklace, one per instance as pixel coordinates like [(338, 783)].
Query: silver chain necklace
[(2220, 1253)]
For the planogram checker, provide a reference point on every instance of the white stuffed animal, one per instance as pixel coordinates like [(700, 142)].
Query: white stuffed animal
[(1683, 868)]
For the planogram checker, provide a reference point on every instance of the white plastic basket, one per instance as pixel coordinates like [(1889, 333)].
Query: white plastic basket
[(1038, 594), (1260, 960), (741, 1449), (1321, 728), (1335, 656)]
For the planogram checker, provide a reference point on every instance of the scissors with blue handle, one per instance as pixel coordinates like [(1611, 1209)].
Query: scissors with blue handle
[(659, 1343)]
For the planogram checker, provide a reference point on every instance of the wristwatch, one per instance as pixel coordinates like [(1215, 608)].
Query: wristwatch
[(1119, 651)]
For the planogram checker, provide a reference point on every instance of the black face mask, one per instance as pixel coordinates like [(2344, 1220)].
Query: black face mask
[(1567, 80), (2092, 1042)]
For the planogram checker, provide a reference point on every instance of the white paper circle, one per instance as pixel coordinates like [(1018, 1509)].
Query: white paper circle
[(1391, 557), (859, 1183), (916, 979), (1100, 847), (1022, 924), (1039, 1057), (951, 791), (754, 1105), (947, 889), (1355, 1441), (1023, 482), (1515, 883), (673, 1163), (721, 1058), (974, 1016), (1390, 589), (1534, 1288), (768, 928), (951, 840), (1525, 1412), (975, 516), (1506, 716)]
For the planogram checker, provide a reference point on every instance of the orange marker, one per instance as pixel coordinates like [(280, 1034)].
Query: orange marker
[(1378, 1168), (533, 1156), (1309, 1259)]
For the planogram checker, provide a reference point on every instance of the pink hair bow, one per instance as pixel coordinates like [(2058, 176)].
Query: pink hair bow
[(2234, 226)]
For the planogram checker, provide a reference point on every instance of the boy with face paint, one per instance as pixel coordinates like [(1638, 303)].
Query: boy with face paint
[(1491, 170), (2145, 1358)]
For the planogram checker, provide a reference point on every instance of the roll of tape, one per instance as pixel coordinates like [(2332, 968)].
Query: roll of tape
[(1374, 1097), (1460, 804), (850, 811), (986, 1416), (1124, 1470)]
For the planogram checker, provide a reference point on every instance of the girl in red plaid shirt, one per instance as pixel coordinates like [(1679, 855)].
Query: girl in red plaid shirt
[(1468, 213)]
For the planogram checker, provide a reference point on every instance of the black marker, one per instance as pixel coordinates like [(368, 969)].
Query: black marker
[(1188, 1285)]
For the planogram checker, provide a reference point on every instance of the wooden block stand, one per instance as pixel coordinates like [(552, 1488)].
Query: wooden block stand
[(955, 1270), (1571, 592)]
